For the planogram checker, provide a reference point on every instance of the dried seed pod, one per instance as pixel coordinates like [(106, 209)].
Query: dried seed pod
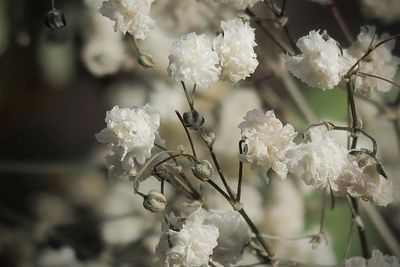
[(55, 19)]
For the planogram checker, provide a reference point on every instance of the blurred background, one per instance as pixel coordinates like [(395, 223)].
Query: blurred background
[(57, 207)]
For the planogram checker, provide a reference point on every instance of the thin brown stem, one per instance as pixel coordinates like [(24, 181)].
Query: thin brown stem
[(239, 188), (187, 133), (361, 74), (341, 21)]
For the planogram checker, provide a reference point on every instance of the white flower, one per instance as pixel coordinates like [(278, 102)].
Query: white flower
[(190, 246), (64, 256), (267, 142), (131, 132), (387, 11), (193, 61), (240, 4), (318, 161), (380, 62), (320, 64), (365, 181), (235, 48), (234, 235), (131, 16), (377, 260)]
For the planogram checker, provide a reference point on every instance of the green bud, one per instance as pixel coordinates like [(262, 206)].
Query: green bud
[(146, 60), (203, 170), (154, 201)]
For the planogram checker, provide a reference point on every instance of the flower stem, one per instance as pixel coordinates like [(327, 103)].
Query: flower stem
[(187, 133)]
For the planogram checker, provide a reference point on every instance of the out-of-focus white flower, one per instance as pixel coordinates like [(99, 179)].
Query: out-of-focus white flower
[(380, 62), (240, 4), (190, 246), (319, 160), (65, 256), (284, 212), (131, 133), (387, 11), (193, 61), (321, 63), (235, 48), (131, 16), (266, 142), (232, 239), (377, 260), (360, 178), (103, 51), (122, 231)]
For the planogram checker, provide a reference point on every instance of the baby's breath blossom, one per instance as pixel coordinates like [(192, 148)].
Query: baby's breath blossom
[(360, 178), (387, 11), (240, 4), (232, 239), (131, 133), (192, 60), (235, 48), (320, 64), (380, 62), (267, 142), (131, 16), (190, 246), (377, 260), (319, 160)]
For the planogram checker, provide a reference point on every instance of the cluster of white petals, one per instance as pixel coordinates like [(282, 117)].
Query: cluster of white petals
[(234, 235), (240, 4), (131, 133), (319, 160), (365, 181), (267, 141), (132, 16), (377, 260), (387, 11), (380, 62), (235, 48), (321, 63), (190, 246), (193, 60)]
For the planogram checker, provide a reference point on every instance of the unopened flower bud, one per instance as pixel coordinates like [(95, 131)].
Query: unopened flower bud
[(146, 60), (55, 19), (154, 201), (203, 170), (193, 119), (209, 139)]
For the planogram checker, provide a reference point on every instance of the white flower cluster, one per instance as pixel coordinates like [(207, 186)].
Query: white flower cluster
[(380, 62), (387, 11), (240, 4), (203, 234), (192, 60), (235, 48), (198, 59), (320, 64), (377, 260), (365, 181), (131, 133), (319, 160), (323, 64), (267, 142), (131, 16)]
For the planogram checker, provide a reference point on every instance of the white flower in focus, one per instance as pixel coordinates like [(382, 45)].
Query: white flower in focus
[(319, 160), (320, 64), (131, 132), (377, 260), (131, 16), (380, 62), (234, 235), (240, 4), (365, 181), (191, 246), (235, 48), (387, 11), (193, 61), (267, 142)]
